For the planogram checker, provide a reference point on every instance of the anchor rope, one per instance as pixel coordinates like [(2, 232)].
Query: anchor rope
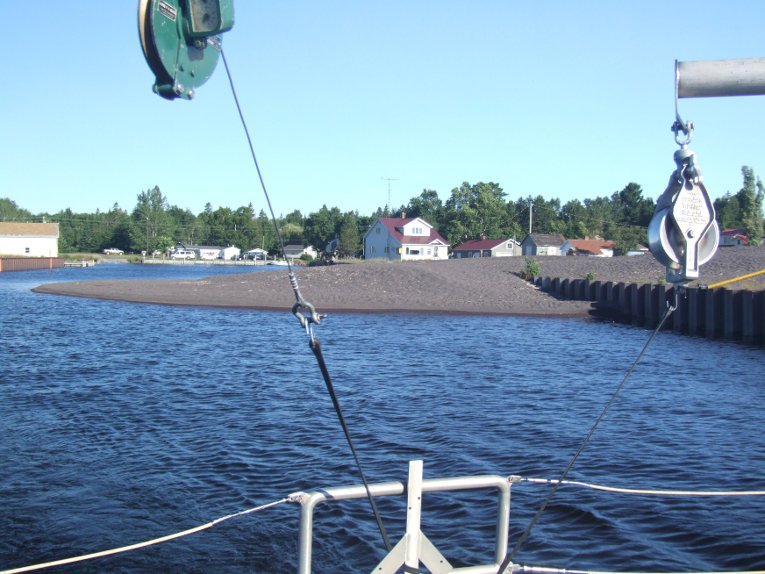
[(306, 321), (139, 545), (507, 562)]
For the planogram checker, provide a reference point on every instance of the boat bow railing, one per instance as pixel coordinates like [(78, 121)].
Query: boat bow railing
[(414, 547)]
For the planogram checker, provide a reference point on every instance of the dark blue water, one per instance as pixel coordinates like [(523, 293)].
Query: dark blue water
[(122, 422)]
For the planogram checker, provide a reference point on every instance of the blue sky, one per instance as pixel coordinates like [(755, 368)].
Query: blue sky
[(563, 99)]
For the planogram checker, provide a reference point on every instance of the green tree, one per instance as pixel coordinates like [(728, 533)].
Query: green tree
[(427, 206), (349, 236), (474, 211), (600, 218), (68, 231), (264, 234), (750, 199), (9, 211), (294, 217), (322, 226), (187, 229), (728, 211), (117, 226), (574, 215), (631, 215), (150, 221), (545, 214), (631, 208)]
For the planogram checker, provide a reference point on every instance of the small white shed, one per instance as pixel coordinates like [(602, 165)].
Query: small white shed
[(29, 239)]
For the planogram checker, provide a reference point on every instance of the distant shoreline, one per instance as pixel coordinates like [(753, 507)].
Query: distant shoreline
[(485, 286)]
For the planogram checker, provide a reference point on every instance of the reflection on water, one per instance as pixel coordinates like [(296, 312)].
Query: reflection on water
[(121, 422)]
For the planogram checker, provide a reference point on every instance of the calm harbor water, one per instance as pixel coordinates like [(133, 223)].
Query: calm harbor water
[(123, 422)]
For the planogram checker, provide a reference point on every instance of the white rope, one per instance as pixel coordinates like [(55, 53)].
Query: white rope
[(138, 545), (646, 491)]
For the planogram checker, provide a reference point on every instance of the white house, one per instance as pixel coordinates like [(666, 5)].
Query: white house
[(404, 239), (589, 247), (297, 251), (486, 248), (543, 244), (206, 252), (230, 252), (29, 239)]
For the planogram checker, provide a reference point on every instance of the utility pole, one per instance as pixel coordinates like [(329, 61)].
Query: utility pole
[(390, 212), (531, 213)]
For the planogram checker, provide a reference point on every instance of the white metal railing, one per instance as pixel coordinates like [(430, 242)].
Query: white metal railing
[(414, 547)]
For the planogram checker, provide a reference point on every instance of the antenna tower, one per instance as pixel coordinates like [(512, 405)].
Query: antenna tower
[(389, 179)]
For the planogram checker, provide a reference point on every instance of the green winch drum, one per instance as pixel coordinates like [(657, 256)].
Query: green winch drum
[(181, 41)]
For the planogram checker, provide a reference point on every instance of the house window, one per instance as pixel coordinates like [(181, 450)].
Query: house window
[(430, 251), (26, 250), (412, 251), (386, 250), (377, 229), (417, 231)]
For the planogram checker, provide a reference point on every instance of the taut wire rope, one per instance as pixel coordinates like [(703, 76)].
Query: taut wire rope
[(526, 533), (307, 320)]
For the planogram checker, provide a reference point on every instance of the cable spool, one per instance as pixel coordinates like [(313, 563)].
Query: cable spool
[(181, 41)]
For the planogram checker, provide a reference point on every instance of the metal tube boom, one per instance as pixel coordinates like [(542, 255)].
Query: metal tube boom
[(715, 78)]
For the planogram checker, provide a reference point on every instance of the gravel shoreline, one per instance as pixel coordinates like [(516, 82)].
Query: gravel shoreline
[(488, 286)]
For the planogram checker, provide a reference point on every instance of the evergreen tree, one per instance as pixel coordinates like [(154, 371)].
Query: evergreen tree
[(750, 199), (9, 211), (728, 211), (349, 236), (152, 226), (322, 227)]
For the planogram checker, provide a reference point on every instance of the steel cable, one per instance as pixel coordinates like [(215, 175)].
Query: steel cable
[(526, 533), (306, 321)]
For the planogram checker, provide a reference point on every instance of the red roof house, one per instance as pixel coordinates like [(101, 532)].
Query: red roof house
[(404, 239), (733, 238), (589, 247)]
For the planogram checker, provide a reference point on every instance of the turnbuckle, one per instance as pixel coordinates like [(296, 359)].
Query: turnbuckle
[(304, 311), (683, 233)]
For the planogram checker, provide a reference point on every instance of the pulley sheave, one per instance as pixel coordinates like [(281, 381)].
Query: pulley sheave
[(181, 41)]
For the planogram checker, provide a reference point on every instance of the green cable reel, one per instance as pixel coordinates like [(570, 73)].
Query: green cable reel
[(181, 41)]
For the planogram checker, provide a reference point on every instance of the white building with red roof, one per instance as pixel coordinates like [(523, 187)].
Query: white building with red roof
[(589, 247), (404, 239)]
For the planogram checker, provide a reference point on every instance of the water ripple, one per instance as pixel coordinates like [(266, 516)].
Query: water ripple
[(122, 422)]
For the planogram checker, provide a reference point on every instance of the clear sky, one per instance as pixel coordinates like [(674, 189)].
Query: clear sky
[(559, 98)]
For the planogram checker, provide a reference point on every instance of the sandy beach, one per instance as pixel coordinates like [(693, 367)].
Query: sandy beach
[(475, 286)]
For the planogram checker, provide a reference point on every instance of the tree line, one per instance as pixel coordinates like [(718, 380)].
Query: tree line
[(471, 211)]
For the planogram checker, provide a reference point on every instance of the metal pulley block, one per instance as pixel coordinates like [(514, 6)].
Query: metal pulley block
[(181, 41), (683, 233)]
